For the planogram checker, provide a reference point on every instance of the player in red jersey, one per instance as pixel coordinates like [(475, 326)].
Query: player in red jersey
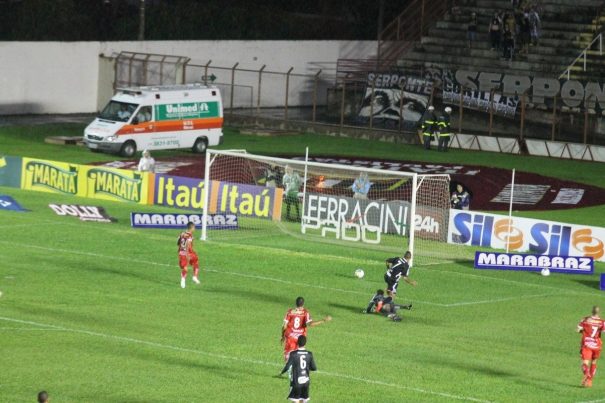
[(187, 255), (296, 322), (590, 348)]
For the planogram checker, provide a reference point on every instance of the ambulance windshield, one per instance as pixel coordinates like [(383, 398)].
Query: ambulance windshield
[(118, 111)]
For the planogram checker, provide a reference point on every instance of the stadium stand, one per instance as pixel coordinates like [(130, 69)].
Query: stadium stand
[(567, 27), (428, 33)]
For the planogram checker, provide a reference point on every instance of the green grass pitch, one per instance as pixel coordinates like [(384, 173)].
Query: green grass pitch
[(93, 312)]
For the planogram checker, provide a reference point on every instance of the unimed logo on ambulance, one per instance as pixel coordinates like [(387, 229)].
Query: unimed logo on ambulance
[(189, 110)]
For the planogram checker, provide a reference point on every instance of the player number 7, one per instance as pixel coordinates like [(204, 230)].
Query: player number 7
[(595, 330)]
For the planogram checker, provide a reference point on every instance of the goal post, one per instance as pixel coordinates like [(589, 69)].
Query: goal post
[(286, 201)]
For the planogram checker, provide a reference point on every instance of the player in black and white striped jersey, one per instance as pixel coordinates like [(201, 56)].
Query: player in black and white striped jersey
[(398, 267), (300, 363)]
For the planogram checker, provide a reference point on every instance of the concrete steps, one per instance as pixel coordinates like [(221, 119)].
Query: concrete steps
[(547, 6), (533, 56), (567, 28), (579, 42)]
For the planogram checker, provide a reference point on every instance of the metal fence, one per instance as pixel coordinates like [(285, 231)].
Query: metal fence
[(308, 100), (137, 69)]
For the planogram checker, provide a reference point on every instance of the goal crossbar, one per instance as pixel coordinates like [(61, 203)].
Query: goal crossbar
[(225, 166)]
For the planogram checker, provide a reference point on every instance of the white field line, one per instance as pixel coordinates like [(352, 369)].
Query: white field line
[(264, 278), (281, 251), (273, 279), (495, 300), (30, 329), (592, 401), (237, 359)]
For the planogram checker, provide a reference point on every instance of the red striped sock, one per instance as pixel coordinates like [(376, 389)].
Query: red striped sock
[(593, 370)]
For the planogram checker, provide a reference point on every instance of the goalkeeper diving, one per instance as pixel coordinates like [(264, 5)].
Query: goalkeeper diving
[(385, 306)]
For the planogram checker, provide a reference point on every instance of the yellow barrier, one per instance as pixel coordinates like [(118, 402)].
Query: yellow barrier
[(85, 181)]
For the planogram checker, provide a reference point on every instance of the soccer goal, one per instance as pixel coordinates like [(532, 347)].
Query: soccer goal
[(276, 201)]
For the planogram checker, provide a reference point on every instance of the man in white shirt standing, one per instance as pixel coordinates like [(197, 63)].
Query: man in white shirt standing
[(147, 163)]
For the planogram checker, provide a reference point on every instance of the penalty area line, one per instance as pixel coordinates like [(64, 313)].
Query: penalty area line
[(236, 359)]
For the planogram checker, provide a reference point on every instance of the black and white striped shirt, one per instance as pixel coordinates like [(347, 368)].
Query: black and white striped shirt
[(399, 268)]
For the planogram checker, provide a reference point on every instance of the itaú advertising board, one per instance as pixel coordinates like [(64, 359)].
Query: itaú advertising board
[(539, 237)]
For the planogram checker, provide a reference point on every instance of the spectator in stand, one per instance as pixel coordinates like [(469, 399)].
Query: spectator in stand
[(525, 33), (461, 200), (508, 44), (534, 25), (471, 30), (509, 21), (495, 30)]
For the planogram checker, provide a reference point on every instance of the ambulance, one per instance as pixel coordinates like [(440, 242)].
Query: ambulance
[(158, 118)]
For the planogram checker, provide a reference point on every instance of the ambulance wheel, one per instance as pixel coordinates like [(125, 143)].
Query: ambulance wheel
[(129, 149), (200, 146)]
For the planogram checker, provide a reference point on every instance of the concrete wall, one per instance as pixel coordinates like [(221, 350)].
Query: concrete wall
[(64, 77)]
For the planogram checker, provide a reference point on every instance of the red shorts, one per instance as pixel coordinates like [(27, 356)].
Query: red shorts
[(191, 259), (589, 354), (291, 344)]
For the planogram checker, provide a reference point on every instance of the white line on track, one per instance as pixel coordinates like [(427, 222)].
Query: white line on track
[(273, 279), (238, 359)]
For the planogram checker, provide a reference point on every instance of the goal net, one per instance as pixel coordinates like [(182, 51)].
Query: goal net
[(277, 201)]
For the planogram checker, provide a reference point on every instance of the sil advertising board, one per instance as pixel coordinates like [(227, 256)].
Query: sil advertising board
[(539, 237)]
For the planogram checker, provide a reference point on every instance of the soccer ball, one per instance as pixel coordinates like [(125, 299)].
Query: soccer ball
[(359, 273), (545, 272)]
